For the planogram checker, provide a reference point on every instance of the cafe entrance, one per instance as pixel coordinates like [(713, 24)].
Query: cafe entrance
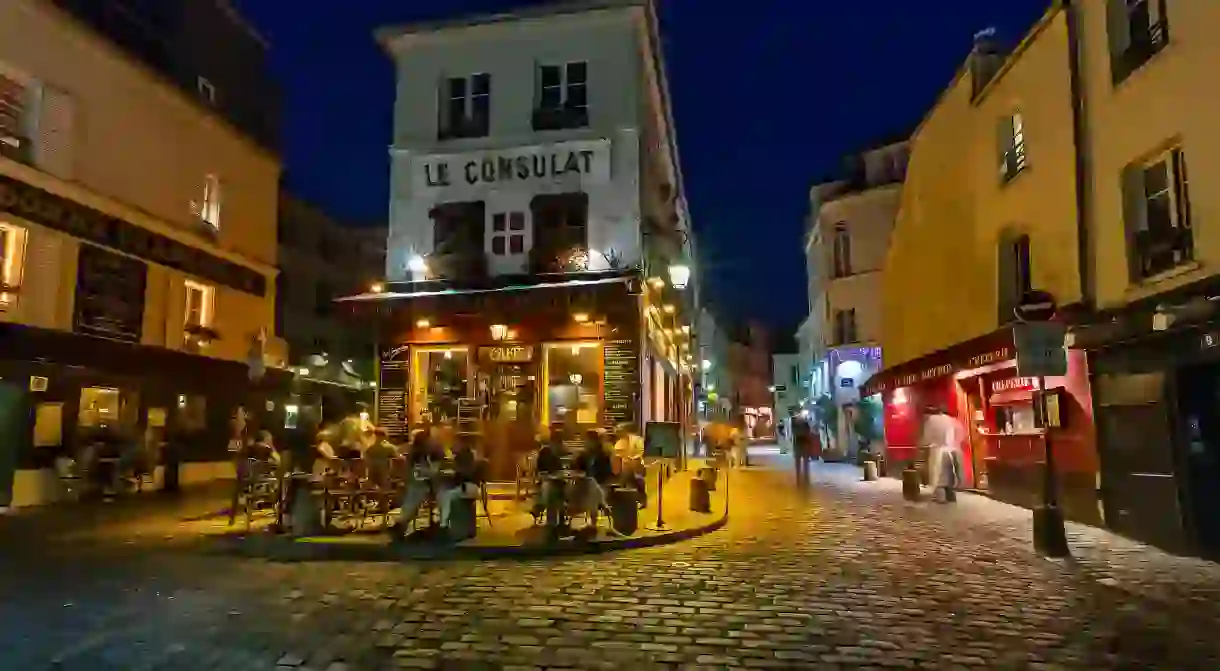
[(507, 383)]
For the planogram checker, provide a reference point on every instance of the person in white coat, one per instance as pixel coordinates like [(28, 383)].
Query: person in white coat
[(943, 435)]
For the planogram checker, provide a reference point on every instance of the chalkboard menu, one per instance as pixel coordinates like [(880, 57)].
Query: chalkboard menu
[(392, 385), (622, 380), (663, 440), (109, 295)]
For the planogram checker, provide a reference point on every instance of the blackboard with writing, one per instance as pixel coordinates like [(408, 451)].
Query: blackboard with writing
[(393, 381), (621, 370), (109, 295), (663, 440)]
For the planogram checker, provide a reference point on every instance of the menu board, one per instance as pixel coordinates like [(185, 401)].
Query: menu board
[(393, 380), (663, 440), (109, 295), (621, 368)]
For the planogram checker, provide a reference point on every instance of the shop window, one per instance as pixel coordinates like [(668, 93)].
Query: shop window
[(439, 380), (12, 262), (1157, 215), (573, 373), (507, 233), (106, 407), (1015, 418)]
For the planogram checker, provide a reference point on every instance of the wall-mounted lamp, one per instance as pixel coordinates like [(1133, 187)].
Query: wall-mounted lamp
[(679, 275), (377, 287), (422, 323), (706, 364), (580, 317), (499, 331)]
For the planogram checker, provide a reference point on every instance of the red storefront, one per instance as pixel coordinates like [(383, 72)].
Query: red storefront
[(1004, 452)]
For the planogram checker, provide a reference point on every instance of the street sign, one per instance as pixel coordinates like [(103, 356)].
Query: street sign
[(1040, 349), (1036, 306), (780, 387)]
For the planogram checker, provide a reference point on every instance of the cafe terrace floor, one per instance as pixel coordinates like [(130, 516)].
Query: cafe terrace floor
[(511, 531)]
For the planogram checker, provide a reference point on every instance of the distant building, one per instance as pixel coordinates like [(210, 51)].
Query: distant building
[(749, 367)]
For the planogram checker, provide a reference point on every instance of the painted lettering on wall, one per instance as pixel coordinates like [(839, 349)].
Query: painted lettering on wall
[(1014, 384), (510, 354), (588, 160)]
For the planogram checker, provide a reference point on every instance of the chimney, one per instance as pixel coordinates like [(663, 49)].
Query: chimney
[(986, 58)]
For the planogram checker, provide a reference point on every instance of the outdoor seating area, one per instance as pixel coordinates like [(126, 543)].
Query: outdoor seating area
[(348, 512)]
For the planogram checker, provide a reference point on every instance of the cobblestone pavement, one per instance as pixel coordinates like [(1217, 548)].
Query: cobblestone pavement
[(833, 576)]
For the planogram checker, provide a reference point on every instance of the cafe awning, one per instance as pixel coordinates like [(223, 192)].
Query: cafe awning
[(992, 348)]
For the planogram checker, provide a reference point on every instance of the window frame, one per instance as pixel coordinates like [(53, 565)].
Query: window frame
[(564, 87), (1013, 153), (209, 208), (207, 307), (18, 141), (840, 251), (14, 242), (1177, 234), (467, 115), (506, 235)]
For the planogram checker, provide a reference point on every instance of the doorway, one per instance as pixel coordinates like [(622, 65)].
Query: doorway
[(12, 424), (1198, 392)]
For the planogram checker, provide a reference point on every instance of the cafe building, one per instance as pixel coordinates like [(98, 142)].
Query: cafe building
[(1004, 453), (538, 252)]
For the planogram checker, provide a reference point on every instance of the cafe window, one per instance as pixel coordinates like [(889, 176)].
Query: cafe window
[(1016, 418), (439, 379), (574, 382), (102, 407), (191, 412)]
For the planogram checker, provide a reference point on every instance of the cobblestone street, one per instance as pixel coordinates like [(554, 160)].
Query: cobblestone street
[(836, 576)]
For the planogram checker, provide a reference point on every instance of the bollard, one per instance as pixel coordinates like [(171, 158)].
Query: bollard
[(910, 484), (700, 500), (870, 471)]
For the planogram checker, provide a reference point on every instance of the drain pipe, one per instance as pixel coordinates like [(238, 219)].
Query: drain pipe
[(1083, 159)]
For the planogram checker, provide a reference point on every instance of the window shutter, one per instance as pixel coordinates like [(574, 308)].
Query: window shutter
[(1006, 280), (1134, 217), (55, 145), (1118, 32), (1003, 141), (1181, 190)]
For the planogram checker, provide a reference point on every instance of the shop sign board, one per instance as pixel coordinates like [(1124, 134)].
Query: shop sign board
[(1040, 349), (510, 353)]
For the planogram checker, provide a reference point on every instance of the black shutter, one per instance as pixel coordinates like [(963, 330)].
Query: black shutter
[(1135, 217)]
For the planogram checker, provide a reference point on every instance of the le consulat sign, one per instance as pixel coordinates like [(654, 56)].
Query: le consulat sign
[(585, 160)]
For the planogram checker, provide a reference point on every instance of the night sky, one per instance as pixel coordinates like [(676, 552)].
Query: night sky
[(769, 95)]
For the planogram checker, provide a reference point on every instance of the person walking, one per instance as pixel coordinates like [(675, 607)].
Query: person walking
[(942, 435)]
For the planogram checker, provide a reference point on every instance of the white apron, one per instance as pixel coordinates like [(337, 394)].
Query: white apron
[(943, 463)]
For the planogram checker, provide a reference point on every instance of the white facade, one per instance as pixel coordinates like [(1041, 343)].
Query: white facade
[(787, 378), (509, 159), (849, 231)]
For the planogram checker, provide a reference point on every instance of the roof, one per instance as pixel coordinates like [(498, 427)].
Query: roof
[(385, 34)]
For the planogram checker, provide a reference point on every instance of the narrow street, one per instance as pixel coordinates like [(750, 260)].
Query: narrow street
[(840, 575)]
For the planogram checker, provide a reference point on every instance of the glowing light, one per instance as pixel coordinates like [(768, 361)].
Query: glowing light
[(417, 264), (499, 331), (423, 323), (679, 275), (580, 317), (377, 287)]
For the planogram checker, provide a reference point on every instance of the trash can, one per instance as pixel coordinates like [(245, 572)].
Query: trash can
[(700, 499), (624, 510), (870, 470), (462, 524)]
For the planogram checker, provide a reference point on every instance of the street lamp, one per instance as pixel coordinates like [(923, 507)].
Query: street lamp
[(679, 275)]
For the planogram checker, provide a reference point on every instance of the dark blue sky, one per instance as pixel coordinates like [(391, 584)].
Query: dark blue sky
[(768, 96)]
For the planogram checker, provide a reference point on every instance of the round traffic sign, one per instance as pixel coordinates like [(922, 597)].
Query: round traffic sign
[(1036, 306)]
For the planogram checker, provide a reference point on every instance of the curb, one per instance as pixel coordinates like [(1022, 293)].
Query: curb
[(287, 550)]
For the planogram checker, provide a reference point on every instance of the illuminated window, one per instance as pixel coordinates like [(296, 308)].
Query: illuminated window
[(99, 406), (199, 304), (439, 378), (574, 383), (1012, 146), (208, 209), (12, 262)]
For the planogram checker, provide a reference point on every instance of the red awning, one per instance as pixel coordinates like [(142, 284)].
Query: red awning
[(991, 348)]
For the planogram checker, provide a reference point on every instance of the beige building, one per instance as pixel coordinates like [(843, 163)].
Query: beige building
[(138, 240)]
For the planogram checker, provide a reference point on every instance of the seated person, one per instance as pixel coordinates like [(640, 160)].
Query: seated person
[(424, 463), (595, 463), (379, 457), (549, 462), (629, 449), (465, 480)]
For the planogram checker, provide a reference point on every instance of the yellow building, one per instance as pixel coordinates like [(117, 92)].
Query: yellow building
[(1149, 73), (989, 212), (138, 249)]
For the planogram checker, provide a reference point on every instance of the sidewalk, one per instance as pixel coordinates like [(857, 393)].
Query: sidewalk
[(1183, 583)]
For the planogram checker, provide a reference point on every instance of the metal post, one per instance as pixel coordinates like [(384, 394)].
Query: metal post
[(1050, 534)]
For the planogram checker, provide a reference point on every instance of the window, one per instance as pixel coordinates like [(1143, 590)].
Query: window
[(14, 119), (12, 262), (561, 227), (207, 91), (198, 304), (841, 251), (507, 233), (457, 229), (439, 378), (796, 375), (563, 97), (1014, 275), (1157, 215), (208, 209), (845, 326), (1011, 146), (466, 107), (574, 386), (1138, 30)]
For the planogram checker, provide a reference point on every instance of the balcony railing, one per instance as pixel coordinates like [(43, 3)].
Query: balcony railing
[(1158, 251), (458, 266)]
